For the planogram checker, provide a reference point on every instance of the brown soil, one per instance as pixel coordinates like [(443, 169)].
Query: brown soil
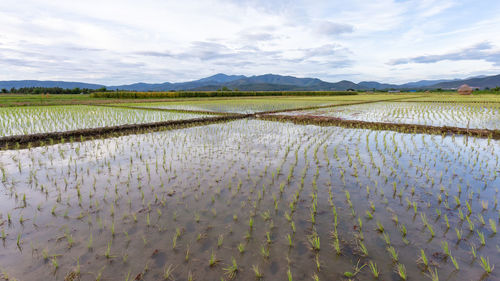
[(83, 134), (404, 128)]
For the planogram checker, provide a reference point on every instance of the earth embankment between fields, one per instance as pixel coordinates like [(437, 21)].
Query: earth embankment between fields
[(399, 127), (81, 134)]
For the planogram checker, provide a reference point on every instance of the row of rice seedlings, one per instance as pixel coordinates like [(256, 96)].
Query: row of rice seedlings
[(44, 119), (482, 115)]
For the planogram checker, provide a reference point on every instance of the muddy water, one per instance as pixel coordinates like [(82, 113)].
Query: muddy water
[(138, 194)]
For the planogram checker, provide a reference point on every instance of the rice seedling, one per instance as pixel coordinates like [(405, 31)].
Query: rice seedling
[(473, 251), (186, 257), (264, 252), (55, 263), (447, 221), (446, 249), (393, 253), (213, 260), (401, 271), (470, 223), (459, 234), (241, 248), (369, 215), (168, 272), (314, 242), (374, 270), (485, 265), (362, 248), (380, 227), (356, 270), (423, 259), (258, 273), (493, 226), (387, 239), (231, 270), (482, 240)]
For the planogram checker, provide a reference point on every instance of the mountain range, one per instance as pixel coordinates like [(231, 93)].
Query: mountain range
[(266, 82)]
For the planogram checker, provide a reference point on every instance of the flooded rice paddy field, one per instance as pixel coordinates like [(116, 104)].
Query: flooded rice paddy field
[(453, 97), (249, 199), (244, 106), (46, 119), (474, 115)]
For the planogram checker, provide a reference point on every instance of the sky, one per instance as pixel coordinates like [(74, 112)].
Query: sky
[(121, 42)]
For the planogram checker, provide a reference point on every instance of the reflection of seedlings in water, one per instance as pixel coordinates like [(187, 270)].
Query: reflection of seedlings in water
[(470, 223), (168, 272), (220, 240), (357, 269), (318, 264), (481, 219), (90, 242), (454, 261)]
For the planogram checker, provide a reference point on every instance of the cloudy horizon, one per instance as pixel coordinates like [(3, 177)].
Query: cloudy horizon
[(123, 42)]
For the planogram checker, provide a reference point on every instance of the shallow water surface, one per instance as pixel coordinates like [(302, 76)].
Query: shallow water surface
[(258, 192)]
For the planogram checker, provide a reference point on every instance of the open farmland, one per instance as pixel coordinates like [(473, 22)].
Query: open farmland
[(242, 106), (45, 119), (253, 199), (473, 115)]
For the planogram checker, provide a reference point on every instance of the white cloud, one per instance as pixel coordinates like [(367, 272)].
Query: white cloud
[(115, 42)]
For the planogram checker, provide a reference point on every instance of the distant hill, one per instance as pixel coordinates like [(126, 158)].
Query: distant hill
[(481, 82), (375, 85), (47, 84), (266, 82)]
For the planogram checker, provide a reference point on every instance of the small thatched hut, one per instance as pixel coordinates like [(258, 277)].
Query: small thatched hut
[(465, 90)]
